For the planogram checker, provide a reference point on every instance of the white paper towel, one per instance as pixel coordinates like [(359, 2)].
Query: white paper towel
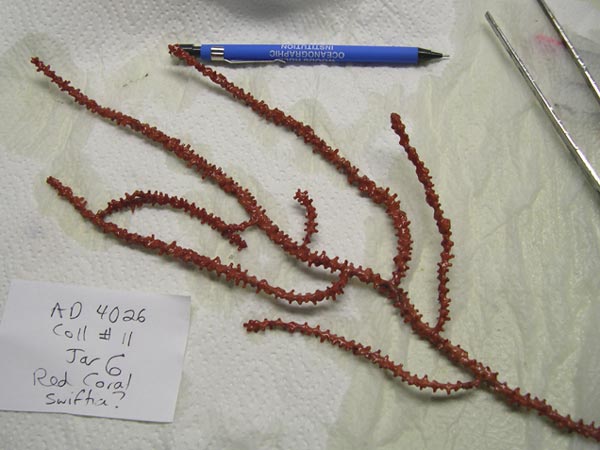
[(525, 279)]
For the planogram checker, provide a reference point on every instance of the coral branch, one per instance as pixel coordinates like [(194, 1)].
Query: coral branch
[(358, 349), (139, 199), (311, 215), (442, 223)]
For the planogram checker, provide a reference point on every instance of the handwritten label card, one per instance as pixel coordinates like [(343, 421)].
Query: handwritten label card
[(94, 352)]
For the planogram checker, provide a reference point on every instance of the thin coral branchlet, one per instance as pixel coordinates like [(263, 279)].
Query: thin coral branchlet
[(383, 362), (481, 375), (310, 227)]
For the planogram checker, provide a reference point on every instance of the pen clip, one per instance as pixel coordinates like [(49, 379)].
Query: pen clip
[(218, 54), (261, 61)]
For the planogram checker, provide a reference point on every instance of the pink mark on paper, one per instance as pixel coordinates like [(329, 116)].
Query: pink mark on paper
[(548, 40)]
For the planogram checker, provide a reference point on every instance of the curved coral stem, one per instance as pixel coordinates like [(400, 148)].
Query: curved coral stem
[(139, 198), (310, 226), (382, 361)]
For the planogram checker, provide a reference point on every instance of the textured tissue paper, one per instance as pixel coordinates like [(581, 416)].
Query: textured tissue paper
[(526, 227)]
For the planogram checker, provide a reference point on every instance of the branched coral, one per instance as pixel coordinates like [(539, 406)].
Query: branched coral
[(482, 376)]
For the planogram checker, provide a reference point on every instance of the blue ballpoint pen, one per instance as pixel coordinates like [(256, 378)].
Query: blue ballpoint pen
[(310, 53)]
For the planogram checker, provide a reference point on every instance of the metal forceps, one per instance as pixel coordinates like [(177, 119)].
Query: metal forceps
[(575, 151)]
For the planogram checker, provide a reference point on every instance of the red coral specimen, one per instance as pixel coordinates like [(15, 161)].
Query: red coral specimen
[(482, 375)]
